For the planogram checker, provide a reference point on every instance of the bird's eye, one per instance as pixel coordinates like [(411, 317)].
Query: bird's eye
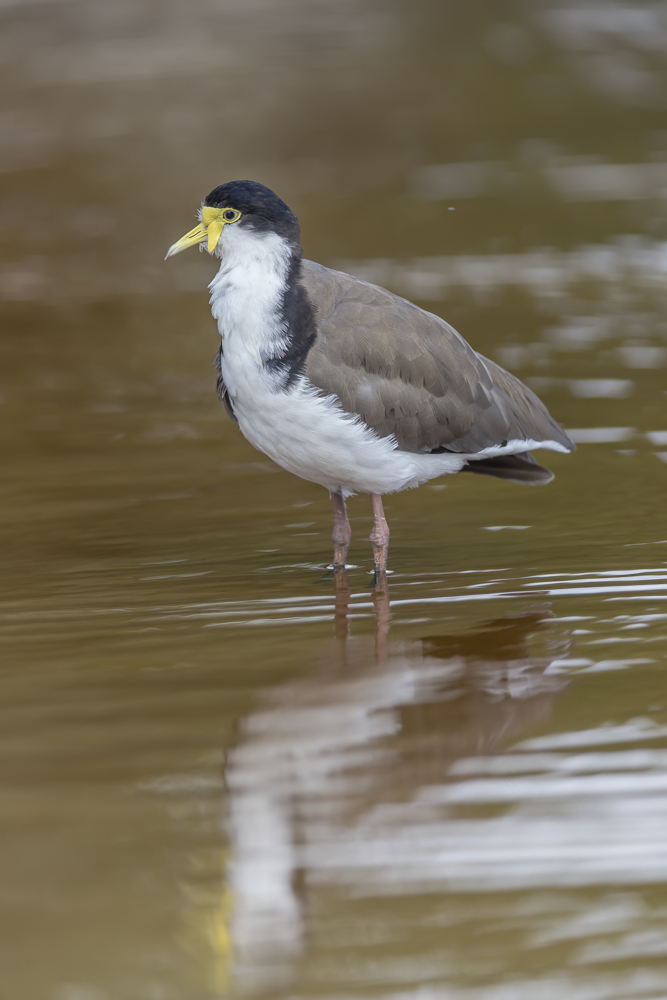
[(231, 215)]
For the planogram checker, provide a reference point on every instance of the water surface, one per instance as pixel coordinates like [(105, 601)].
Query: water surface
[(221, 774)]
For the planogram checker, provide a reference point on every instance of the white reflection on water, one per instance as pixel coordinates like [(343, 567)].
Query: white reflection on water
[(325, 759), (578, 333), (608, 181), (601, 388), (624, 986), (599, 435), (546, 273), (642, 356), (576, 178), (385, 774), (581, 26), (445, 588), (630, 760)]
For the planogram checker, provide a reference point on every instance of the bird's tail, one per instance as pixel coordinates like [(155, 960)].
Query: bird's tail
[(520, 468)]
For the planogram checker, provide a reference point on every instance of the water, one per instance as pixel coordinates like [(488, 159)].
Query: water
[(221, 776)]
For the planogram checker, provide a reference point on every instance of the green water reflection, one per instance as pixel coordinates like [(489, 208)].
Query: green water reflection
[(219, 776)]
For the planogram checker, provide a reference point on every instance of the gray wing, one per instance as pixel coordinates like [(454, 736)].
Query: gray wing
[(408, 373)]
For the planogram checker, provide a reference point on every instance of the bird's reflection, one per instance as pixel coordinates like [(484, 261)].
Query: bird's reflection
[(370, 724)]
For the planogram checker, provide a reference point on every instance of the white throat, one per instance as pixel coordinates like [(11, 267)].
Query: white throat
[(247, 292)]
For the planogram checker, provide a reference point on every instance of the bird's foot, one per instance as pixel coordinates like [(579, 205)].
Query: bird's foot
[(379, 539), (380, 542), (340, 555)]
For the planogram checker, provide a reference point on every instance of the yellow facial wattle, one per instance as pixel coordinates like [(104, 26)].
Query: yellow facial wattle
[(213, 220)]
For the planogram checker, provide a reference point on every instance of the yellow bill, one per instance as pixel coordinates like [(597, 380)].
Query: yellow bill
[(208, 231), (191, 239)]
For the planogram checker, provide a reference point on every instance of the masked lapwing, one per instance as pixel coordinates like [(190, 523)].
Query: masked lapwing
[(345, 384)]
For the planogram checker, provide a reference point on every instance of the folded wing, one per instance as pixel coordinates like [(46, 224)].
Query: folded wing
[(407, 373)]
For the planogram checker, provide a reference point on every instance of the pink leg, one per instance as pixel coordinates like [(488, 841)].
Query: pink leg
[(342, 532), (379, 538)]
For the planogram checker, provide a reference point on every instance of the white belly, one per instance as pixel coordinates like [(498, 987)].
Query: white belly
[(310, 435)]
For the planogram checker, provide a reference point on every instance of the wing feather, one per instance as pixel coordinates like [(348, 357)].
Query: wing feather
[(406, 372)]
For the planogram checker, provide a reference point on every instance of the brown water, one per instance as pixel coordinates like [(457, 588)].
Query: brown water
[(218, 777)]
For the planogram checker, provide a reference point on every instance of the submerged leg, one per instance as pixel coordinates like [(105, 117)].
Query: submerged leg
[(342, 532), (379, 538), (342, 607)]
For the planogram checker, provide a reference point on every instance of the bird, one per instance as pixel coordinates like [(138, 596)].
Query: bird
[(346, 384)]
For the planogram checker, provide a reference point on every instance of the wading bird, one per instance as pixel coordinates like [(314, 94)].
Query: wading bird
[(345, 384)]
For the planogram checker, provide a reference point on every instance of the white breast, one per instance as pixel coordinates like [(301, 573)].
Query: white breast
[(246, 293)]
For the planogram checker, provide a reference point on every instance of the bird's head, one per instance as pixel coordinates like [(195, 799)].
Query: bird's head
[(243, 206)]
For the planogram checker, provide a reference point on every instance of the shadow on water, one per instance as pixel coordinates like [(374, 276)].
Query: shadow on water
[(328, 763)]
